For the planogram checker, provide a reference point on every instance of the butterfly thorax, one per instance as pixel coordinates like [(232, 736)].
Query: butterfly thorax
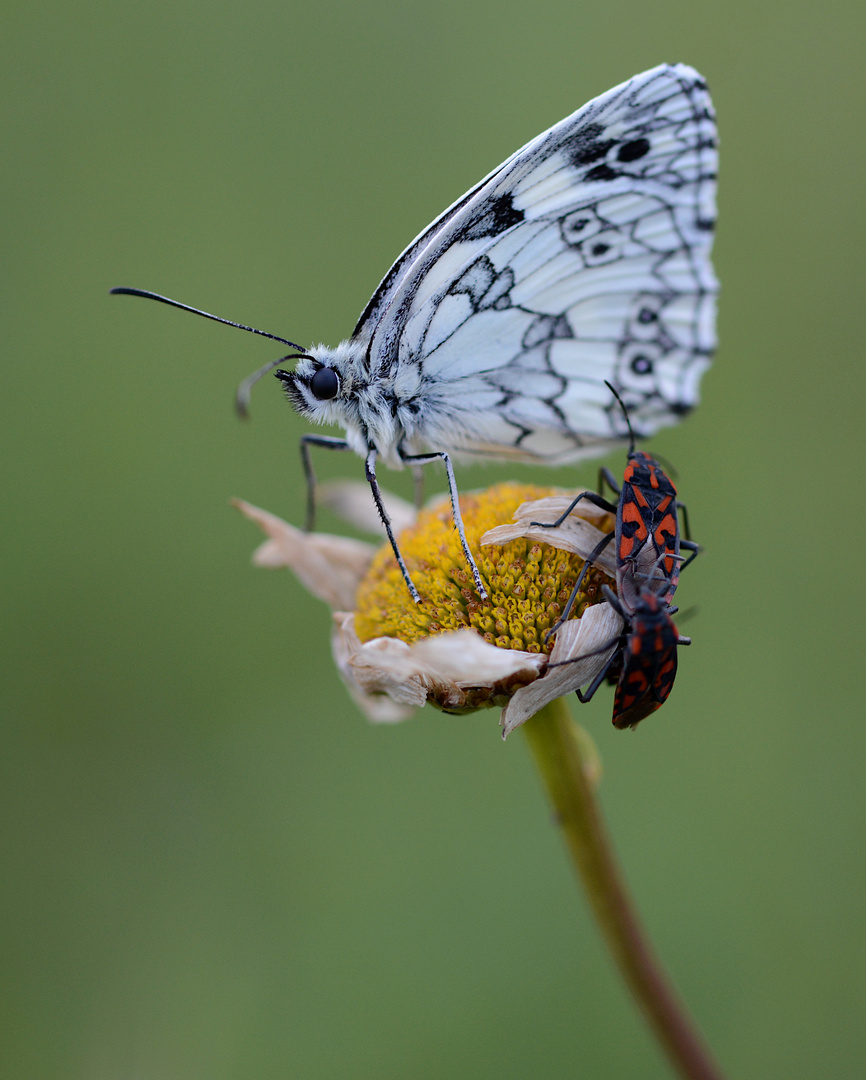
[(376, 409)]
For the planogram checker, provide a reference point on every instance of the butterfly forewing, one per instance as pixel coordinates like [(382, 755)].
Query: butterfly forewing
[(584, 257)]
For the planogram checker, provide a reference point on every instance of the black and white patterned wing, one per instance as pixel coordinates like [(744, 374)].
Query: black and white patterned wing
[(585, 257)]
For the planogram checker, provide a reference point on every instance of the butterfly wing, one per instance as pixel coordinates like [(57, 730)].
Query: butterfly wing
[(584, 257)]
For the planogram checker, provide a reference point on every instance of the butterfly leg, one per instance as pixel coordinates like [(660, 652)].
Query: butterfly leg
[(370, 472), (330, 443), (425, 459), (418, 477)]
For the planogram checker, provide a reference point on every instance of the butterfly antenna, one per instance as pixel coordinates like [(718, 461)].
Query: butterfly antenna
[(242, 397), (613, 390)]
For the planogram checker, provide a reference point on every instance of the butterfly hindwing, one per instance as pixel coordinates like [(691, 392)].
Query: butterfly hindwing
[(584, 257)]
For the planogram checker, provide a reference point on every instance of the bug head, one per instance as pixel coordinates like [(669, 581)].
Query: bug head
[(640, 457)]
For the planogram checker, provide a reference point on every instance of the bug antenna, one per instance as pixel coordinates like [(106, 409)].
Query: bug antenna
[(669, 468), (689, 613), (242, 395), (613, 390), (122, 291)]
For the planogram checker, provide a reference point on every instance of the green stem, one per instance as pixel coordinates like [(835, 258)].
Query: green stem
[(557, 752)]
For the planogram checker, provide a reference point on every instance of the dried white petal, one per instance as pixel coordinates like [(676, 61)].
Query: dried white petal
[(574, 535), (389, 679), (582, 641), (443, 667), (330, 567), (465, 658), (351, 500), (551, 506), (385, 690)]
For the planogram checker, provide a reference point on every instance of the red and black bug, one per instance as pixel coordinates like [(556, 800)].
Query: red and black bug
[(647, 657), (647, 531)]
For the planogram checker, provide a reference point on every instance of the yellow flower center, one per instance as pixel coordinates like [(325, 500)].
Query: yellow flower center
[(528, 582)]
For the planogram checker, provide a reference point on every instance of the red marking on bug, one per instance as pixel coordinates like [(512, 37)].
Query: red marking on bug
[(649, 663)]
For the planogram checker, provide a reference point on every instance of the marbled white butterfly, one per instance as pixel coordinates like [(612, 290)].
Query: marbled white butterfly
[(584, 257)]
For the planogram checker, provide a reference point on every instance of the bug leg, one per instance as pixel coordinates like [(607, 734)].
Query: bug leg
[(595, 652), (605, 476), (590, 496), (370, 472), (595, 684), (590, 559), (687, 532), (691, 546), (329, 443), (425, 459)]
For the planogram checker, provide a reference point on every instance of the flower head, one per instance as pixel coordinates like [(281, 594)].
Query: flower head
[(453, 649)]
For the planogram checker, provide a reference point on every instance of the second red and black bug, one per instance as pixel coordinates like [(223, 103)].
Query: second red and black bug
[(646, 658)]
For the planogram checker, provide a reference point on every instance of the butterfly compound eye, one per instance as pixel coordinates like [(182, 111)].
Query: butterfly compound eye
[(325, 384)]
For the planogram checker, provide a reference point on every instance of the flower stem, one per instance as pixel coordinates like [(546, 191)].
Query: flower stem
[(558, 754)]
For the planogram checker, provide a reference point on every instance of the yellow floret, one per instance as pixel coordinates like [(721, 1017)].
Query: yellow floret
[(528, 582)]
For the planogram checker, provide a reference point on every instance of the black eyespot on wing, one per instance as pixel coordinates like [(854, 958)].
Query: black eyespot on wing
[(500, 214), (633, 150), (602, 172), (585, 147), (325, 384), (642, 365)]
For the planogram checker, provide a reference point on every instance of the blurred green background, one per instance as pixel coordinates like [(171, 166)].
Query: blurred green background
[(213, 867)]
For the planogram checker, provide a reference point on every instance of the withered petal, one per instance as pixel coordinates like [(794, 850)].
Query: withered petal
[(578, 641), (441, 667), (330, 567), (575, 535)]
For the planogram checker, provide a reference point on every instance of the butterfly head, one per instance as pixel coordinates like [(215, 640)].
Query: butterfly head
[(321, 386)]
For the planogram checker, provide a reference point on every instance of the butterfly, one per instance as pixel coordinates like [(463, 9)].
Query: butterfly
[(584, 257)]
